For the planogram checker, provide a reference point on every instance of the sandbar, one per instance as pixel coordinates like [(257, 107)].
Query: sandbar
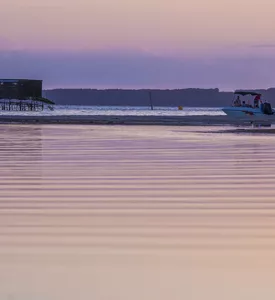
[(136, 120)]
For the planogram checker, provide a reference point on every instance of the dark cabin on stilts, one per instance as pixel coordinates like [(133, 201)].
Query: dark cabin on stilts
[(22, 95)]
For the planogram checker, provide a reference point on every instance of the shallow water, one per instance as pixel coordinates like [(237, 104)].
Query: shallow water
[(126, 212), (60, 110)]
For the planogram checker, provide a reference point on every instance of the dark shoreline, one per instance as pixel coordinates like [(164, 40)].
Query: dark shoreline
[(186, 97)]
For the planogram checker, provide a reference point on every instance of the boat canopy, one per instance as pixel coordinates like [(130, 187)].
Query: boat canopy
[(244, 93)]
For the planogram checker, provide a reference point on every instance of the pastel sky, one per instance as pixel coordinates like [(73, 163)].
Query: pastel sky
[(201, 35)]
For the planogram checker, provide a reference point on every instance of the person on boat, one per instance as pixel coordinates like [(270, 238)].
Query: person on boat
[(244, 104), (237, 101), (257, 99)]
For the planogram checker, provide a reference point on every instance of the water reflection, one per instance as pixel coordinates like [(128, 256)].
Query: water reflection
[(20, 151), (135, 212)]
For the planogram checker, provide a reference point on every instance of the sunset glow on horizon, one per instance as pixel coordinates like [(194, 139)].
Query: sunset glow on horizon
[(172, 27), (213, 43)]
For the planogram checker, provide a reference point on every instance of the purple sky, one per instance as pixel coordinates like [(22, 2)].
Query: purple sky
[(136, 70), (227, 44)]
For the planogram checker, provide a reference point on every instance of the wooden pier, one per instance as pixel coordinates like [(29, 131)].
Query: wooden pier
[(13, 105)]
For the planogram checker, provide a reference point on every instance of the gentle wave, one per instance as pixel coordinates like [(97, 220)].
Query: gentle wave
[(119, 212), (134, 178)]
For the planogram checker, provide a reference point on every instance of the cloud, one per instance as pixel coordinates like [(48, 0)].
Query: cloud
[(124, 69)]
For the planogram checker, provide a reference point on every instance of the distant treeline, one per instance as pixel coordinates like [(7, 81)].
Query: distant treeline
[(121, 97)]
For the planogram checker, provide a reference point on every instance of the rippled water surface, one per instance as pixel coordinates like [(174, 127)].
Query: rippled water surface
[(136, 212)]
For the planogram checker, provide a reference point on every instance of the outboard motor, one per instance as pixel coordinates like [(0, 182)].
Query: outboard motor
[(266, 109)]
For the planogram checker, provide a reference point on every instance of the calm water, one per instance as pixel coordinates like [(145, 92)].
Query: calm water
[(121, 111), (120, 213)]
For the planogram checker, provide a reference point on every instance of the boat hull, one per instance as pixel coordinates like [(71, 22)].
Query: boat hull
[(243, 111)]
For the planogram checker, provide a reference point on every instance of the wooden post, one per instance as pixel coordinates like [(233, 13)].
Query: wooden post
[(151, 102)]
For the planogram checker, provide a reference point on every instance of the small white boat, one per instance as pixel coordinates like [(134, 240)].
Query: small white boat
[(244, 109)]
